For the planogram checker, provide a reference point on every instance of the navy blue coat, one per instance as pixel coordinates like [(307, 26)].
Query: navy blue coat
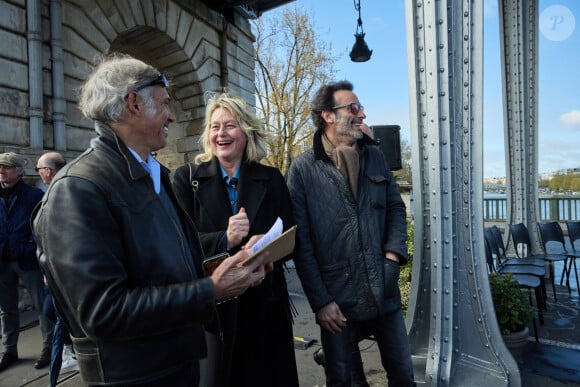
[(15, 234)]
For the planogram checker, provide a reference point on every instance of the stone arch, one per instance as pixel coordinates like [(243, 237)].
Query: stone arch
[(160, 50), (180, 39)]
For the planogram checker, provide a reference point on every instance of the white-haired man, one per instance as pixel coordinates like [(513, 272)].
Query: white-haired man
[(122, 259)]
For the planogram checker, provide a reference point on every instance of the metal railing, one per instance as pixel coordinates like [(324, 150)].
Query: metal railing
[(556, 208)]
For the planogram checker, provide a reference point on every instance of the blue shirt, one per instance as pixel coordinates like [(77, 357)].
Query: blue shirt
[(153, 167), (232, 186)]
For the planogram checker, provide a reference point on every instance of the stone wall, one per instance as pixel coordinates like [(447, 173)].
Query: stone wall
[(184, 39)]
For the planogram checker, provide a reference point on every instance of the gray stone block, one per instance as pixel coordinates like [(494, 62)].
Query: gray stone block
[(14, 75), (13, 102), (13, 17), (13, 46), (14, 131)]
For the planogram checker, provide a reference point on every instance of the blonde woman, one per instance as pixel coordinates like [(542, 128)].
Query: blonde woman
[(231, 197)]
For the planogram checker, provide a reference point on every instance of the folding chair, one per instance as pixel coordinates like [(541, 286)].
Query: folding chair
[(523, 247), (502, 256), (504, 261), (554, 243), (574, 235), (537, 271)]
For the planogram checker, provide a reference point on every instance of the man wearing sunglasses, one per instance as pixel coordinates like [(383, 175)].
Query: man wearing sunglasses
[(121, 258), (62, 354), (351, 238), (48, 165)]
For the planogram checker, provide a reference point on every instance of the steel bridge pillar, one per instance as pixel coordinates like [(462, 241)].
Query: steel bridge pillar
[(519, 48), (452, 325)]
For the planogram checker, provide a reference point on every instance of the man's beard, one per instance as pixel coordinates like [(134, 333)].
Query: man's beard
[(346, 130)]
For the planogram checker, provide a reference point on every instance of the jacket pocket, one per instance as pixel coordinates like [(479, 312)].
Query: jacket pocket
[(337, 279), (378, 191), (391, 273)]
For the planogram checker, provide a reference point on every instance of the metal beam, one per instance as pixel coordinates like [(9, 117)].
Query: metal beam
[(452, 325), (519, 46)]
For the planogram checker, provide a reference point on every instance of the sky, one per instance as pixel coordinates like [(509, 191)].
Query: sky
[(382, 83)]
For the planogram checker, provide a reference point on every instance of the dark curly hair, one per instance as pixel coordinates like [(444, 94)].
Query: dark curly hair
[(324, 100)]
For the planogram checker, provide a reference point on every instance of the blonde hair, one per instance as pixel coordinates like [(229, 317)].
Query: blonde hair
[(256, 148)]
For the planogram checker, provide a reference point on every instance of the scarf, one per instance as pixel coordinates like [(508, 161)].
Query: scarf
[(346, 159)]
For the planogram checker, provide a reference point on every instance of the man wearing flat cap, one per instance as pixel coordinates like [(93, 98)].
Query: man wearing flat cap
[(18, 259)]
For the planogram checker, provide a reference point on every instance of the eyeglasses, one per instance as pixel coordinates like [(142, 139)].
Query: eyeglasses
[(354, 107), (160, 80), (2, 166), (39, 168)]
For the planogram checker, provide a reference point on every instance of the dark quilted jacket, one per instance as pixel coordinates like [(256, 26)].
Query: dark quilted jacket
[(341, 243)]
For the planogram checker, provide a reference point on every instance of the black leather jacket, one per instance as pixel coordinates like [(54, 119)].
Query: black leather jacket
[(341, 242), (118, 268)]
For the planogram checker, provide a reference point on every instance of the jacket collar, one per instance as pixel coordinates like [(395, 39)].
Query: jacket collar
[(251, 187), (14, 190), (207, 183), (108, 137)]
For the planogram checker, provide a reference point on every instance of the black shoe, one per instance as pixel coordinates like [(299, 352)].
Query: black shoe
[(8, 358), (44, 358)]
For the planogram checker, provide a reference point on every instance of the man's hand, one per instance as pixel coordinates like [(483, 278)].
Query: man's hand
[(330, 317), (238, 228), (252, 241), (268, 266), (231, 278), (392, 257)]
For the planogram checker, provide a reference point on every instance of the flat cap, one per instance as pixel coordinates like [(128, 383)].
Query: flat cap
[(11, 159)]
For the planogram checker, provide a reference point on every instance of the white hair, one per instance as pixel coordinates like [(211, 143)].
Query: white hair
[(102, 96)]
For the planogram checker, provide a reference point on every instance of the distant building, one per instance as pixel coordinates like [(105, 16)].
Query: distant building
[(494, 181)]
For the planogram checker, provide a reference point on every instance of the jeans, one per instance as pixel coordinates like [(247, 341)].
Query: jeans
[(57, 346), (359, 378), (391, 335), (9, 313), (357, 371)]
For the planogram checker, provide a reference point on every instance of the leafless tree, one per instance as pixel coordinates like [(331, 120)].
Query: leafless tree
[(405, 174), (291, 64)]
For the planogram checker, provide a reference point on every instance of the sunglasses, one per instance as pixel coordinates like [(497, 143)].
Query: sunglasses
[(160, 80), (354, 107)]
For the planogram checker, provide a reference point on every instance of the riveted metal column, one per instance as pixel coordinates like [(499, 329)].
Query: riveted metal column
[(452, 327), (519, 38)]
